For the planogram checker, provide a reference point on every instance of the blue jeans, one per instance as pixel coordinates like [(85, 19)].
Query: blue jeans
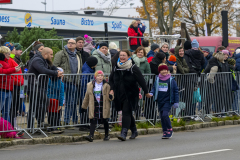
[(5, 104), (71, 97)]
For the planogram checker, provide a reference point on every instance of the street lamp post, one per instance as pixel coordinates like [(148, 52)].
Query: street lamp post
[(45, 3)]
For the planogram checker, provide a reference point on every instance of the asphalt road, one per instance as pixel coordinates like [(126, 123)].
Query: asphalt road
[(221, 143)]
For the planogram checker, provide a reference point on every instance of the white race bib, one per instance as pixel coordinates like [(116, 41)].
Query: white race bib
[(163, 87)]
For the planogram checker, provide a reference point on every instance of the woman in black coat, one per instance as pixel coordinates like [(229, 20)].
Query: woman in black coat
[(124, 81)]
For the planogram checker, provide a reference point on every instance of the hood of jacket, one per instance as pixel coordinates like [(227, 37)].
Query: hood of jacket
[(150, 54), (113, 52), (176, 50), (87, 69)]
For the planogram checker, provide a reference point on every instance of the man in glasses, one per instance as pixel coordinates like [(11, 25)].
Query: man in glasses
[(70, 61)]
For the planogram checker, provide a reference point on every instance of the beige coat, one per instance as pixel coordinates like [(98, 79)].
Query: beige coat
[(89, 100)]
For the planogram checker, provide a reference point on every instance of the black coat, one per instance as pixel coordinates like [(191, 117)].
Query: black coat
[(113, 52), (222, 67), (38, 65), (84, 55), (127, 81), (195, 60)]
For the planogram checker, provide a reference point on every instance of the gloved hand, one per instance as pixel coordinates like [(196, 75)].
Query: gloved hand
[(176, 105)]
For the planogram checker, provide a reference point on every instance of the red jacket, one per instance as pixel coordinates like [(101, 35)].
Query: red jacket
[(18, 79), (131, 32), (6, 81)]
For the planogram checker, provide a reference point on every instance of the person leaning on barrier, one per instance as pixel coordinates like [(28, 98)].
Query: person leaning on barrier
[(6, 82), (104, 58), (134, 31), (41, 63), (69, 59), (18, 82), (124, 81)]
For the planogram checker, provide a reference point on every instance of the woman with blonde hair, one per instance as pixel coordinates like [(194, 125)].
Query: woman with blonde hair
[(134, 31), (165, 49)]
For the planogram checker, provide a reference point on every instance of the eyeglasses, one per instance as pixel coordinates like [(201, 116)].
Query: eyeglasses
[(71, 43)]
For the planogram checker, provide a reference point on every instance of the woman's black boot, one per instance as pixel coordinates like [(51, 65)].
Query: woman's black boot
[(134, 132), (123, 135)]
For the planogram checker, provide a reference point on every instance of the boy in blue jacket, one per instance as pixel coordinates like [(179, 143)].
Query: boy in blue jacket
[(56, 96), (165, 92)]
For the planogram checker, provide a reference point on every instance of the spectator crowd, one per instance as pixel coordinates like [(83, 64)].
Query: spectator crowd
[(94, 76)]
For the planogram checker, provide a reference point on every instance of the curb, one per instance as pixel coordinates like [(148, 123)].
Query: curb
[(68, 139)]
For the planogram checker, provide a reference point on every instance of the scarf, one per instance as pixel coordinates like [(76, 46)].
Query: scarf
[(106, 58), (137, 60), (135, 28), (125, 65), (164, 78)]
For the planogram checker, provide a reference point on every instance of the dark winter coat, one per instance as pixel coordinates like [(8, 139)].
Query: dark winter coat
[(114, 60), (113, 52), (237, 57), (86, 78), (39, 65), (206, 61), (174, 97), (84, 55), (195, 60), (129, 79), (150, 54)]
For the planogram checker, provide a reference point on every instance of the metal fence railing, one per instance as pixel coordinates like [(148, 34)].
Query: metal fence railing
[(54, 102)]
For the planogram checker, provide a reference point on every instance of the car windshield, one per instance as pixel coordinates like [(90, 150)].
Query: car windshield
[(212, 49)]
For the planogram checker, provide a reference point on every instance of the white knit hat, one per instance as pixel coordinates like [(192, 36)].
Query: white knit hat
[(237, 51), (112, 45)]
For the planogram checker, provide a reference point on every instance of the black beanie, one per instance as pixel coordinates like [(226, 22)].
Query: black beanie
[(103, 44), (92, 61), (160, 55), (154, 46), (187, 45)]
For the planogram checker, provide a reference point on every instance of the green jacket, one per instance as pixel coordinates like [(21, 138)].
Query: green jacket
[(144, 66), (61, 59), (182, 66), (101, 65)]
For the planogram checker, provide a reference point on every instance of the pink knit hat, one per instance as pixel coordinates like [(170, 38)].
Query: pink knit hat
[(88, 38), (225, 52), (97, 73)]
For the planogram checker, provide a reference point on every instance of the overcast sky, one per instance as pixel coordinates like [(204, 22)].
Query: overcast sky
[(56, 5)]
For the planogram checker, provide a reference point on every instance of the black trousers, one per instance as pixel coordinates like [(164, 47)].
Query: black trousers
[(54, 118), (38, 103), (128, 120), (93, 123), (16, 103)]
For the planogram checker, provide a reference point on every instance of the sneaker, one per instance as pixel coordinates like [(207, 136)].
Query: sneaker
[(57, 131), (169, 133), (106, 138), (89, 138), (20, 134), (164, 135)]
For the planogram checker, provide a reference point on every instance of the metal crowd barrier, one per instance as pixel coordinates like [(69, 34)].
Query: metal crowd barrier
[(55, 103)]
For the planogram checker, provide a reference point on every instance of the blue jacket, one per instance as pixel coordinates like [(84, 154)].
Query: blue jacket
[(206, 61), (150, 54), (86, 78), (56, 90), (237, 57), (174, 97), (142, 28), (172, 63)]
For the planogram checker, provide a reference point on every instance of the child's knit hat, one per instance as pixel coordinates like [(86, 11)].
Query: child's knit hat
[(231, 61), (172, 58), (225, 52), (162, 67), (9, 45), (88, 38), (97, 73)]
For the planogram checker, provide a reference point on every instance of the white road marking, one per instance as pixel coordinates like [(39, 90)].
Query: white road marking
[(193, 154)]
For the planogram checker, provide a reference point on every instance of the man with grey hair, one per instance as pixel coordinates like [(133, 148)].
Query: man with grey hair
[(70, 61)]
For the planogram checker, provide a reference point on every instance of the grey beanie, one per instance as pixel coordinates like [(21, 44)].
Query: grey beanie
[(154, 46), (37, 46)]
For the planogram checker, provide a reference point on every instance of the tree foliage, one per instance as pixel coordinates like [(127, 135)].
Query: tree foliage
[(165, 15), (197, 13), (29, 35)]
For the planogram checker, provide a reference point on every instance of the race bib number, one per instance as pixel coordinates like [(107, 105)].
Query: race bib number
[(163, 87)]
